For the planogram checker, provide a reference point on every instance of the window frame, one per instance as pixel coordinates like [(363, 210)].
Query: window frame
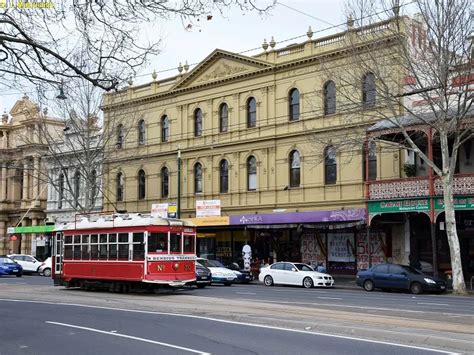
[(369, 91), (251, 172), (164, 183), (141, 177), (141, 132), (294, 104), (330, 104), (223, 118), (77, 187), (198, 182), (120, 137), (330, 166), (198, 122), (295, 171), (251, 112), (119, 186), (224, 176), (164, 129)]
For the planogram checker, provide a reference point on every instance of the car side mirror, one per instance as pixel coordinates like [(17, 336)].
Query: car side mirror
[(404, 273), (293, 269)]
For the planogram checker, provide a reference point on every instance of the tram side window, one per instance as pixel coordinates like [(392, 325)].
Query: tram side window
[(68, 239), (188, 244), (68, 252), (158, 243), (138, 246), (77, 252), (175, 243), (123, 246), (85, 255), (113, 246)]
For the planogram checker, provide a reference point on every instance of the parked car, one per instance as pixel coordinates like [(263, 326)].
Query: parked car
[(219, 273), (396, 276), (287, 273), (10, 267), (45, 267), (243, 276), (203, 276), (29, 263)]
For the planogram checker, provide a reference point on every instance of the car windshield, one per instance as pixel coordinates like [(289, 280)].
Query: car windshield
[(411, 270), (4, 260), (215, 263), (303, 267)]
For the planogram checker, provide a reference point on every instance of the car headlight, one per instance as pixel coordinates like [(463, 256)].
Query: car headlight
[(429, 281), (319, 277)]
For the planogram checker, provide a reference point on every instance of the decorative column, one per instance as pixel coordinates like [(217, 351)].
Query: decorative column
[(3, 238), (25, 180), (34, 222), (3, 190), (36, 189), (432, 205)]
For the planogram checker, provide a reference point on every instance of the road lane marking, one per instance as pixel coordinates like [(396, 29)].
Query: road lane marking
[(128, 337), (329, 298), (246, 293), (229, 322), (434, 304)]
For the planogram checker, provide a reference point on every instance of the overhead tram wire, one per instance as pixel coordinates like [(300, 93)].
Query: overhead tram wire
[(343, 24)]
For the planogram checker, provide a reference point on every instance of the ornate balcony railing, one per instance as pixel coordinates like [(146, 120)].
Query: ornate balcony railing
[(400, 188), (417, 187)]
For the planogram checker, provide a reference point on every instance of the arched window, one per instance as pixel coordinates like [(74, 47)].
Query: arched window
[(165, 130), (295, 173), (119, 185), (223, 117), (164, 182), (330, 165), (197, 122), (197, 178), (77, 187), (60, 190), (329, 97), (368, 90), (251, 112), (120, 136), (294, 100), (251, 173), (141, 132), (224, 176), (141, 185), (372, 161)]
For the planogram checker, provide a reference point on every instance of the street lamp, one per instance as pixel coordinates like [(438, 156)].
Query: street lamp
[(178, 202)]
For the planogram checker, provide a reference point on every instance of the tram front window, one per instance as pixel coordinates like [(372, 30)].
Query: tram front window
[(189, 244), (175, 243), (158, 243)]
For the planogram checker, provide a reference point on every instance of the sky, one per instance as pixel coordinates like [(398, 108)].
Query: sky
[(236, 31)]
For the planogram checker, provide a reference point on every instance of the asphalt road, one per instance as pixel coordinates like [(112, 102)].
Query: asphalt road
[(39, 328), (238, 319)]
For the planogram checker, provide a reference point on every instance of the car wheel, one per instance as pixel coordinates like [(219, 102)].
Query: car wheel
[(307, 282), (47, 272), (415, 288), (200, 286), (228, 284), (369, 285), (19, 275), (268, 280)]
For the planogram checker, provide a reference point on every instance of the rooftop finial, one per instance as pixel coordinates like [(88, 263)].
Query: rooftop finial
[(265, 44), (154, 75), (310, 32), (272, 43), (180, 68)]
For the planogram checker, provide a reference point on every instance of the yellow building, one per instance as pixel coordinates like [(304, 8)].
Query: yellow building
[(253, 133), (22, 178)]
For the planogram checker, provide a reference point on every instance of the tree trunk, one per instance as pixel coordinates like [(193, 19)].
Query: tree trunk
[(459, 287)]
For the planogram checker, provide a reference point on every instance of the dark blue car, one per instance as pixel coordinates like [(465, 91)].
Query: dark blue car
[(402, 277), (9, 267)]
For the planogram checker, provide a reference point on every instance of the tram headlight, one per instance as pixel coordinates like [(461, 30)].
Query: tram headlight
[(175, 266)]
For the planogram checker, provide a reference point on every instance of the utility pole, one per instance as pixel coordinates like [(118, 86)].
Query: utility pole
[(178, 202)]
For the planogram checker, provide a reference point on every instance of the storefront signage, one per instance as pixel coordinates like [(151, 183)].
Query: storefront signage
[(377, 251), (209, 221), (460, 203), (354, 214), (313, 248), (412, 205), (159, 210), (341, 247), (208, 208)]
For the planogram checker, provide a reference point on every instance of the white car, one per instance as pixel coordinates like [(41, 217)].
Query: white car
[(286, 273), (219, 273), (45, 267), (28, 262)]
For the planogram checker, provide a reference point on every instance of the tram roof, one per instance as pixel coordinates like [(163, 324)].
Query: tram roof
[(130, 220)]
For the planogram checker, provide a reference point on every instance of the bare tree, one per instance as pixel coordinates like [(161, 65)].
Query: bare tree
[(406, 73), (103, 42)]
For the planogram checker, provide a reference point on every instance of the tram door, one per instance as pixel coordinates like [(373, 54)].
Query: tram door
[(58, 254)]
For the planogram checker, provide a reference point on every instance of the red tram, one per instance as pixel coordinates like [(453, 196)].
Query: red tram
[(124, 252)]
